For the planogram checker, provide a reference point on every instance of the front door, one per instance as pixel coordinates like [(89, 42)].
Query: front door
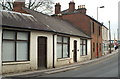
[(97, 50), (75, 51), (42, 52)]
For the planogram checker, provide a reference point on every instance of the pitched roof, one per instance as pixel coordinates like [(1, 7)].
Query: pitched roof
[(39, 21), (57, 24), (20, 20), (66, 12)]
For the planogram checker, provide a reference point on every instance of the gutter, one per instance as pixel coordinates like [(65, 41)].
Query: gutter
[(29, 28)]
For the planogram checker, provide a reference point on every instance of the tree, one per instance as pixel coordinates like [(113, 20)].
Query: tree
[(44, 6)]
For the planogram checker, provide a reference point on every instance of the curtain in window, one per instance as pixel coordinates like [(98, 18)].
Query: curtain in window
[(8, 51), (83, 47), (15, 46), (62, 47)]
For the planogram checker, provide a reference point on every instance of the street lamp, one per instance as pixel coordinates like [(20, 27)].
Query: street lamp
[(97, 10), (110, 36)]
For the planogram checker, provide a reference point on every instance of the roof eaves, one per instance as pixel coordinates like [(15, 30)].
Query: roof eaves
[(105, 27), (94, 20), (44, 31)]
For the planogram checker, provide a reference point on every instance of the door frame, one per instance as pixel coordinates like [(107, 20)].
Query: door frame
[(38, 51)]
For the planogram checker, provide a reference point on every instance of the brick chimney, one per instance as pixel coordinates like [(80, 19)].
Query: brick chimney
[(18, 5), (57, 8), (82, 9), (71, 6)]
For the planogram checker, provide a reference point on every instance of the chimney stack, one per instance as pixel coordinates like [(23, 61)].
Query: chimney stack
[(18, 5), (71, 6), (82, 9), (57, 8)]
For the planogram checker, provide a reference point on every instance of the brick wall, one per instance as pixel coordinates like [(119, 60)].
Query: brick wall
[(85, 24)]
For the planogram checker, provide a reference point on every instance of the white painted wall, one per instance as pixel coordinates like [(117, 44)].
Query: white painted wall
[(88, 56), (64, 61), (105, 41), (32, 64), (15, 67), (34, 48), (104, 33), (72, 39)]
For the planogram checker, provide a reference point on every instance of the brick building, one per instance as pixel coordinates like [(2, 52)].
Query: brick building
[(87, 24)]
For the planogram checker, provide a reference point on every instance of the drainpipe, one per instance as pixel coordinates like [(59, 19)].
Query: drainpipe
[(0, 50), (91, 49), (54, 50)]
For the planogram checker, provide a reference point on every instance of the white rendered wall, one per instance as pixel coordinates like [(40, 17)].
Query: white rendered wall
[(34, 48), (88, 56), (69, 60)]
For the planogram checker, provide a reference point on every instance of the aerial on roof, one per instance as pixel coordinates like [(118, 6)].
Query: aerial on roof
[(39, 21)]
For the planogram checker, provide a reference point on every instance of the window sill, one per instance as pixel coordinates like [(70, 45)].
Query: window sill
[(62, 59), (83, 55), (16, 63)]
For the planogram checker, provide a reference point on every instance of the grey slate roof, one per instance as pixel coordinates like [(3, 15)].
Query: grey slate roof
[(39, 21), (15, 19)]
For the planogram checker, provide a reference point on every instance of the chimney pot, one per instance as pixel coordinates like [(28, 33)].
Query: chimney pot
[(80, 6), (71, 6), (18, 5), (57, 8), (82, 9)]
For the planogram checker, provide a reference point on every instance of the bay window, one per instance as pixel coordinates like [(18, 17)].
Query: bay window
[(83, 47), (15, 46), (62, 47)]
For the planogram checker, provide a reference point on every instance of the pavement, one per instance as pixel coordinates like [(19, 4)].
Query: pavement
[(59, 69)]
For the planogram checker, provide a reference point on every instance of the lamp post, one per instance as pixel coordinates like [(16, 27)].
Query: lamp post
[(109, 36), (97, 10), (98, 31)]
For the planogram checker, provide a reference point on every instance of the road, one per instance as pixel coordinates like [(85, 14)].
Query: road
[(103, 68), (107, 67)]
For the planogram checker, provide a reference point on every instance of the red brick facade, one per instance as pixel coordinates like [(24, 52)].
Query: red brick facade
[(17, 7), (96, 42), (85, 23)]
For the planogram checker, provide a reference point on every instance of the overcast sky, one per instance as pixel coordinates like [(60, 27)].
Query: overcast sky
[(110, 12)]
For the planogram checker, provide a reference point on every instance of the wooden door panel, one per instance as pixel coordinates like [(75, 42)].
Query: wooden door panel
[(42, 52), (75, 51)]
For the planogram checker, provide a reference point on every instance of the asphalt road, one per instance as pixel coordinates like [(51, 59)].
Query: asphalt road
[(103, 68)]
